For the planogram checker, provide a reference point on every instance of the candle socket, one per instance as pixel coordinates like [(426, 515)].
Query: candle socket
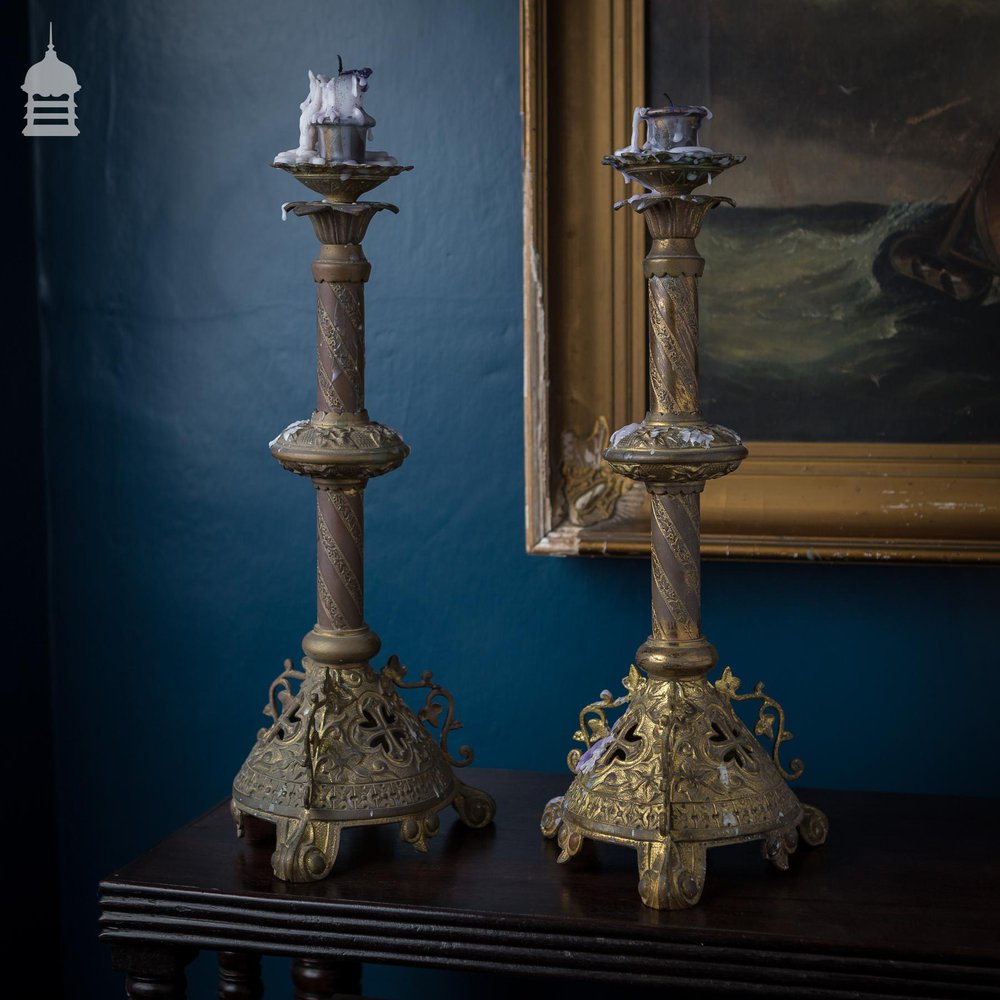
[(677, 771), (343, 748), (342, 143), (670, 128)]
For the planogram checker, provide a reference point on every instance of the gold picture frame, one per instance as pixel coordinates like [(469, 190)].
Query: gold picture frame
[(584, 313)]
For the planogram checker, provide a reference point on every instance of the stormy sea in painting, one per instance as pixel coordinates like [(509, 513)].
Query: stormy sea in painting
[(808, 334)]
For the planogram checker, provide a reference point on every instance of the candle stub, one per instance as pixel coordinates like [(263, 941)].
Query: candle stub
[(673, 129), (333, 124)]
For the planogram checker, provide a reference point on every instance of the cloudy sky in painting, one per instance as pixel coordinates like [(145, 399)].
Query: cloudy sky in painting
[(836, 100)]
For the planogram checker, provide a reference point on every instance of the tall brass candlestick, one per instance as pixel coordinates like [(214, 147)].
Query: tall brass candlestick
[(343, 748), (678, 772)]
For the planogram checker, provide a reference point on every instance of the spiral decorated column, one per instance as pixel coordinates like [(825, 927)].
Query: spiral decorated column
[(677, 772), (673, 391), (673, 342), (676, 570), (340, 388)]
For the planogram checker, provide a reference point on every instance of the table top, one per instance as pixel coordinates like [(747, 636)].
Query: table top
[(901, 900)]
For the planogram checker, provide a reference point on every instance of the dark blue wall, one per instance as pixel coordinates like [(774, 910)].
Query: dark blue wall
[(177, 320), (34, 886)]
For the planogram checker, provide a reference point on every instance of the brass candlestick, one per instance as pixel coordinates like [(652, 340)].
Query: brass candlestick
[(343, 749), (678, 772)]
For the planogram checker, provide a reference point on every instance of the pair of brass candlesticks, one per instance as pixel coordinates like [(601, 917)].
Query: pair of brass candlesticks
[(678, 771)]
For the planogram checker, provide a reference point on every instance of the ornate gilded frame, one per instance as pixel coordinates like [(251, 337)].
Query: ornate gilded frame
[(584, 316)]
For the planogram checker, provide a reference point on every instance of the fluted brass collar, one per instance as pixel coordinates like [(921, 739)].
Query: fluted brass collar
[(339, 223)]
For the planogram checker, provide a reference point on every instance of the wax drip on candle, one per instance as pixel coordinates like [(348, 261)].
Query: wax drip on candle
[(634, 143), (633, 146)]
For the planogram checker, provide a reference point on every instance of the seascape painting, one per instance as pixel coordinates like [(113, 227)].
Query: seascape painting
[(854, 293)]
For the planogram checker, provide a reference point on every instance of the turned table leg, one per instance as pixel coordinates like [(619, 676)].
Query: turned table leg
[(320, 978), (239, 976), (154, 973)]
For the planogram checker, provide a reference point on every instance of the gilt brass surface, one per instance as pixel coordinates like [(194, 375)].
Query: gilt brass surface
[(343, 749), (678, 771), (676, 774), (342, 183)]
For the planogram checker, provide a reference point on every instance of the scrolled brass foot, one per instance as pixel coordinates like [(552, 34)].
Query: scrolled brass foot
[(306, 850), (671, 875), (475, 808), (814, 826), (552, 817), (778, 846), (417, 830), (570, 840)]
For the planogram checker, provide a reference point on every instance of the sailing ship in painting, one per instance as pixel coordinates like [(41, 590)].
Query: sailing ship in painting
[(961, 257), (879, 321)]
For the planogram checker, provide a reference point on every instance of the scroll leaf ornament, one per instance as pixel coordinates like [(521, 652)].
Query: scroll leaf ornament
[(770, 712)]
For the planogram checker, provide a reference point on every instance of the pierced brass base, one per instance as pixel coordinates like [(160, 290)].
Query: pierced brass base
[(345, 750), (677, 773)]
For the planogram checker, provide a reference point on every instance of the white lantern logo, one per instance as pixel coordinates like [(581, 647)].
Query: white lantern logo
[(50, 86)]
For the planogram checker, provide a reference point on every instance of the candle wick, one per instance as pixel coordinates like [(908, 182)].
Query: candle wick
[(340, 65), (669, 99)]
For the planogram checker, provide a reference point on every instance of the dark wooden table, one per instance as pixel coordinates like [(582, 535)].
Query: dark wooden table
[(901, 902)]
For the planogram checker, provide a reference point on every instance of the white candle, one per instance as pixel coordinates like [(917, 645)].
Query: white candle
[(333, 125)]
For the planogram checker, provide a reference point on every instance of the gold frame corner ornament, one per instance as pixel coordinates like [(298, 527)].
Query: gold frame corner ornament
[(829, 501)]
